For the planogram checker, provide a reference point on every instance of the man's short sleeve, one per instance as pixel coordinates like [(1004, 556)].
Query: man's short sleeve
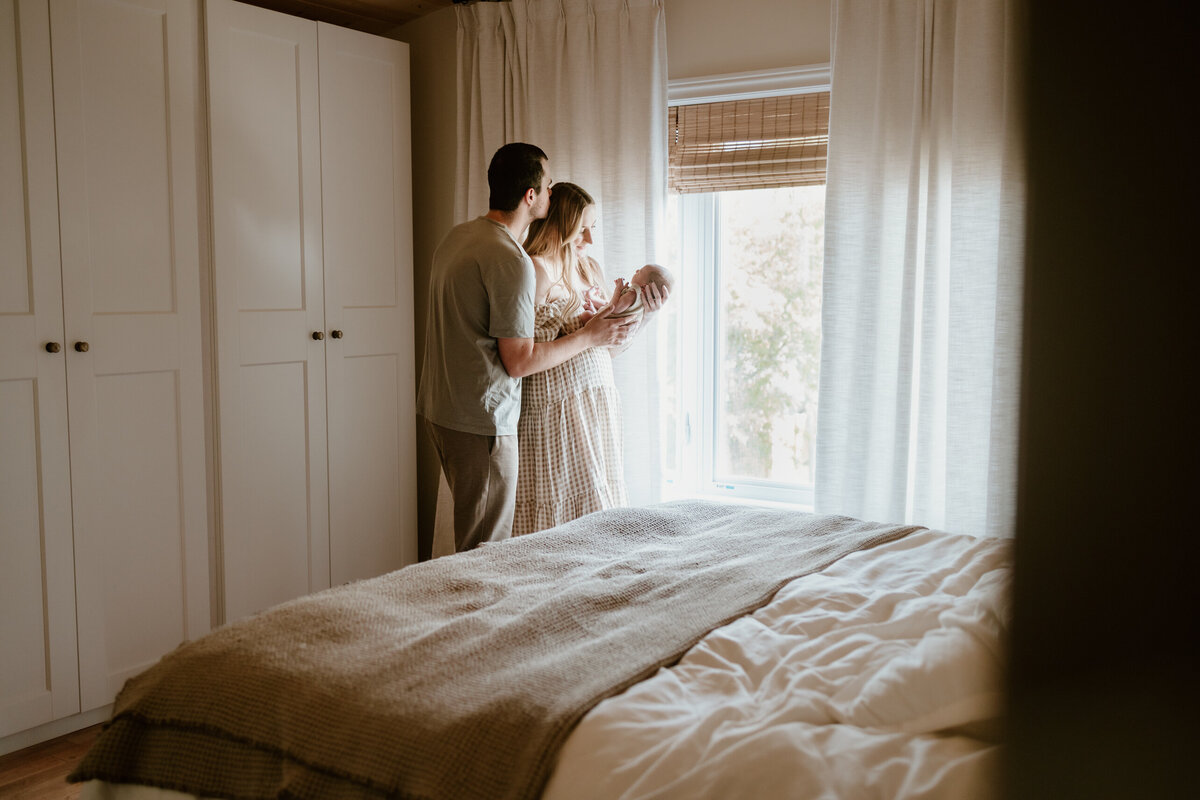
[(510, 288)]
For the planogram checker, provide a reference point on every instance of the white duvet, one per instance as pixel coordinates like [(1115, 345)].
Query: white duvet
[(878, 677)]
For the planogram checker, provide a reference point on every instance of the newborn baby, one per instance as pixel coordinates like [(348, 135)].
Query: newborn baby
[(627, 297)]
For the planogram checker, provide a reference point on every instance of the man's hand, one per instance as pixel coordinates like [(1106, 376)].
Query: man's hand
[(522, 357), (605, 331)]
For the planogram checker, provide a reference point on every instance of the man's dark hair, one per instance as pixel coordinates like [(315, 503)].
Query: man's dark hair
[(516, 167)]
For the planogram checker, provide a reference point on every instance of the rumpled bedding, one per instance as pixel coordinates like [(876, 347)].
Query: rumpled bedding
[(879, 677)]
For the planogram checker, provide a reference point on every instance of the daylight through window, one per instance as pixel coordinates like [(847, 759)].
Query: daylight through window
[(742, 344)]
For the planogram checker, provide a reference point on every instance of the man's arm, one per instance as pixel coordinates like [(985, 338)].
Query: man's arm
[(523, 357)]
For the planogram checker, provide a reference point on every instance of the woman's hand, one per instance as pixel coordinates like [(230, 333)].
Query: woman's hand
[(653, 299)]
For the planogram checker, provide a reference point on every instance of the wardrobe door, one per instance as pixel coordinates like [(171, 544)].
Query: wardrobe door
[(39, 678), (127, 111), (367, 202), (266, 186)]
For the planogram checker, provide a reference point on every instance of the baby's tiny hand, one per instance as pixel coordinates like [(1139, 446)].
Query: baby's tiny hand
[(593, 299)]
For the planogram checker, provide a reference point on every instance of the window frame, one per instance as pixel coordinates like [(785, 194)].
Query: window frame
[(699, 215)]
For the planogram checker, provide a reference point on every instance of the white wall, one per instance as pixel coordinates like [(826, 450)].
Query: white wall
[(433, 62), (717, 37), (704, 37)]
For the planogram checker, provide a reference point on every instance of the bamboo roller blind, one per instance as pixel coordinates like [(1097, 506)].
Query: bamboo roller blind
[(749, 144)]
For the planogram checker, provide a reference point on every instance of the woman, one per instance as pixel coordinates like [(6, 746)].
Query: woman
[(569, 433)]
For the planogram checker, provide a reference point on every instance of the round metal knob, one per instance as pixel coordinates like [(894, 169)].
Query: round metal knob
[(318, 335), (81, 347), (52, 347), (335, 333)]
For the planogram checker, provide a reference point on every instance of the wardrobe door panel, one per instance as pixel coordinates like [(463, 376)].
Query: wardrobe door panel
[(266, 184), (267, 557), (118, 55), (366, 181), (127, 106), (39, 677), (136, 575)]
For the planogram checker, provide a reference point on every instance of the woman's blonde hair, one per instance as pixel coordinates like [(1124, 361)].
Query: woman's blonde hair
[(554, 237)]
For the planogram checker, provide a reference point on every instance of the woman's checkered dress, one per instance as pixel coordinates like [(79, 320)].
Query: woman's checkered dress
[(569, 436)]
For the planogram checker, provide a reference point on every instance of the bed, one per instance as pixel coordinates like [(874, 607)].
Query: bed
[(689, 649)]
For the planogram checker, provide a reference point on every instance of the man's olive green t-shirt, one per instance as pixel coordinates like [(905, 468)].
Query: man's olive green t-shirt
[(481, 288)]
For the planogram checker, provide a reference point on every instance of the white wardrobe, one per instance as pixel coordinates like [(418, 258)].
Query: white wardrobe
[(103, 509), (205, 332), (312, 251)]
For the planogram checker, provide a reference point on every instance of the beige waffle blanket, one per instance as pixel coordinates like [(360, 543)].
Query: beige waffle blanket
[(456, 678)]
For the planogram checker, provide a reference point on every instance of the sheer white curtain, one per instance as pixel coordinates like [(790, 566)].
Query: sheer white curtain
[(923, 266), (586, 81)]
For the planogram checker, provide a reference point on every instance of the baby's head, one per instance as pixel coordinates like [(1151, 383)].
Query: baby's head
[(653, 273)]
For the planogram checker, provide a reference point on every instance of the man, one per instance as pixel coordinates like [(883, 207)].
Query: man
[(479, 344)]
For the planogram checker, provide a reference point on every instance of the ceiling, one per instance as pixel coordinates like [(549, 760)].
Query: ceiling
[(373, 16)]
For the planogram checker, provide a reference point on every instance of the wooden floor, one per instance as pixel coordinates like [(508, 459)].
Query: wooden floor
[(40, 772)]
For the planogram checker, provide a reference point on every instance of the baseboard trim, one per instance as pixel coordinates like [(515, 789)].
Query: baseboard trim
[(52, 730)]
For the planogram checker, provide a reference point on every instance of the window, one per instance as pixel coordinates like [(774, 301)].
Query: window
[(741, 340)]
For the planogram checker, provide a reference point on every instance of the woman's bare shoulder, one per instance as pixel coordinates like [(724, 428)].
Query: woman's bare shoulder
[(543, 277)]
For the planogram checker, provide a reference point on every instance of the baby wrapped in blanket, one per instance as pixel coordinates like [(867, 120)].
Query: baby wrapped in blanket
[(627, 297)]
